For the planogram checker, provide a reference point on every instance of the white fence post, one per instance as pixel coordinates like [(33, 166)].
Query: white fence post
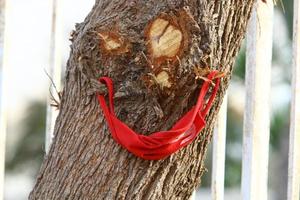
[(219, 144), (294, 147), (257, 111), (3, 89), (55, 65)]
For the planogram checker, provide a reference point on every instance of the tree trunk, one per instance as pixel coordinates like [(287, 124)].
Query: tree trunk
[(154, 51)]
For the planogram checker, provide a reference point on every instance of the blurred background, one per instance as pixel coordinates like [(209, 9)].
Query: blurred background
[(29, 53)]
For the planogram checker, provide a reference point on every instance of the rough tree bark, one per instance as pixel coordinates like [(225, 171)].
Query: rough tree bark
[(154, 51)]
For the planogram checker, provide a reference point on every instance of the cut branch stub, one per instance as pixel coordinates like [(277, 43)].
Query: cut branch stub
[(163, 79), (113, 43), (165, 39)]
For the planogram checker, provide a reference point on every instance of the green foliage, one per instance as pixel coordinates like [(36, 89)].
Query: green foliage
[(279, 124), (29, 150), (234, 142), (288, 7), (239, 69)]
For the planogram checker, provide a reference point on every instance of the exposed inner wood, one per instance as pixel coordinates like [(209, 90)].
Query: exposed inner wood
[(109, 42), (113, 43), (165, 39), (163, 79)]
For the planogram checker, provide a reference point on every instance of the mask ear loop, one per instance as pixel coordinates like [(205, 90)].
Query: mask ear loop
[(109, 84), (201, 102), (212, 97), (203, 91), (108, 111)]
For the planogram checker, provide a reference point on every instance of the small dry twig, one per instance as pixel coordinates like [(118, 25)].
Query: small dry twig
[(55, 103)]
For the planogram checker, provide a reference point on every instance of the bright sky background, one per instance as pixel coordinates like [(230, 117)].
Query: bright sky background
[(29, 43)]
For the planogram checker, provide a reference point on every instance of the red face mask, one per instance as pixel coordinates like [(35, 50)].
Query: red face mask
[(161, 144)]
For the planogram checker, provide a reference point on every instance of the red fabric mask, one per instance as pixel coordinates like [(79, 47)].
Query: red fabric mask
[(161, 144)]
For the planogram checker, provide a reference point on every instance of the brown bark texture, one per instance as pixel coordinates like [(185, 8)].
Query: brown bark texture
[(156, 52)]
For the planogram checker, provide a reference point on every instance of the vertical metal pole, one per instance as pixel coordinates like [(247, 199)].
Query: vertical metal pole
[(257, 111), (294, 147), (193, 197), (3, 89), (55, 65), (219, 144)]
